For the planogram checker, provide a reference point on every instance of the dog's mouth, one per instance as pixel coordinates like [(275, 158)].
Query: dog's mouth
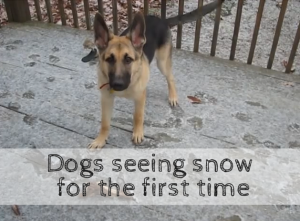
[(119, 87), (119, 83)]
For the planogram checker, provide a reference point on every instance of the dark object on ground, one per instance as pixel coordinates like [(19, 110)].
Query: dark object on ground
[(91, 56)]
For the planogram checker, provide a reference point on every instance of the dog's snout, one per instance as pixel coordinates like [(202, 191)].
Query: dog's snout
[(118, 84)]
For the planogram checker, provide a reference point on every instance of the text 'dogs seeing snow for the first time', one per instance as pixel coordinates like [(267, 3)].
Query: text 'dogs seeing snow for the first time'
[(150, 177)]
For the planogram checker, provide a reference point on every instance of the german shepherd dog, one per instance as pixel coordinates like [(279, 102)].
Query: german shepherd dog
[(124, 61)]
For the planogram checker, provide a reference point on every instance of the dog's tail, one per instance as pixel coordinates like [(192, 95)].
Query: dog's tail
[(194, 15)]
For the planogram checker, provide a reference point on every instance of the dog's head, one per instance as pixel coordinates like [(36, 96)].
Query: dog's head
[(120, 56)]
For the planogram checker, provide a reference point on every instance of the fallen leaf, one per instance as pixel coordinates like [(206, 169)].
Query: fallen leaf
[(284, 63), (194, 100), (16, 210)]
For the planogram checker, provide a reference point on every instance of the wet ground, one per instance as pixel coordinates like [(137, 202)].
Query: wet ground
[(49, 99)]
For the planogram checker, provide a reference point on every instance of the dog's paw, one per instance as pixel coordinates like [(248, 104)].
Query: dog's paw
[(173, 101), (97, 144), (137, 136)]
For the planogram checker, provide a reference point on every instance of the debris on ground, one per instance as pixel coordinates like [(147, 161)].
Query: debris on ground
[(16, 210), (194, 100)]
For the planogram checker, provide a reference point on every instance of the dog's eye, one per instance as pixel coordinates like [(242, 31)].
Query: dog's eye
[(110, 59), (127, 59)]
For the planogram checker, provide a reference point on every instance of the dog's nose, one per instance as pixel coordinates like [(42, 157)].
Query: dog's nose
[(118, 84)]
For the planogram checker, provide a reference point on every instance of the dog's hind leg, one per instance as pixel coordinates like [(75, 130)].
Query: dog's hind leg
[(164, 62)]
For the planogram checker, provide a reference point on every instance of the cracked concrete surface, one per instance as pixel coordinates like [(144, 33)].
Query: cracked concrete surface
[(49, 105)]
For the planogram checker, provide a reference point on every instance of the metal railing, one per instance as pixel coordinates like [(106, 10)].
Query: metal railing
[(18, 11)]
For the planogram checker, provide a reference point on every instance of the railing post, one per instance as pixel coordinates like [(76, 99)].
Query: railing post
[(236, 29), (179, 26), (277, 33), (163, 9), (293, 51), (256, 30), (198, 28), (17, 10), (216, 31), (115, 16)]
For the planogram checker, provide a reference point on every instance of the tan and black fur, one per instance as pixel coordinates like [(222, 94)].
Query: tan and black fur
[(124, 64)]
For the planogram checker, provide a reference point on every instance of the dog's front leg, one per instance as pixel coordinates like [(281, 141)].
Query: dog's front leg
[(107, 103), (138, 120)]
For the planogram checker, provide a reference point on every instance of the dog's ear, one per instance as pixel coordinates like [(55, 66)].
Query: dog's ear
[(137, 31), (102, 34)]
